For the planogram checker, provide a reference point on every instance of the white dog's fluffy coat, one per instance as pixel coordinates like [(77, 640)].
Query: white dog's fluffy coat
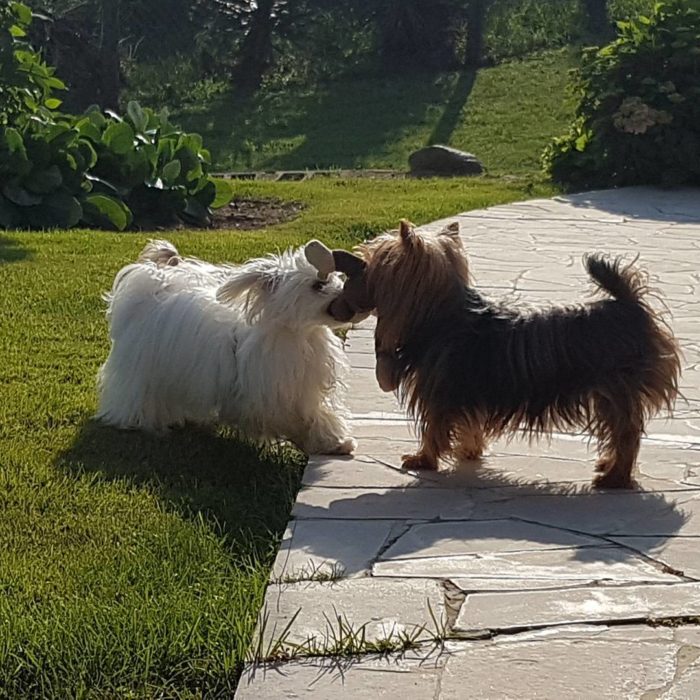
[(247, 346)]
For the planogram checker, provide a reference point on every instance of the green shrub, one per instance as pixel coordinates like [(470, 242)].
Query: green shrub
[(59, 170), (101, 170), (638, 116)]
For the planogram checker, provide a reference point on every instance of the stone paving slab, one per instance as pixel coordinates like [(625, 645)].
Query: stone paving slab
[(382, 503), (313, 549), (529, 609), (519, 540), (373, 609), (449, 539), (566, 564), (580, 668), (678, 553), (360, 471), (390, 678), (578, 662)]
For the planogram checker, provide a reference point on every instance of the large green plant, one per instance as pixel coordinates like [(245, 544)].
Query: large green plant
[(103, 170), (638, 116)]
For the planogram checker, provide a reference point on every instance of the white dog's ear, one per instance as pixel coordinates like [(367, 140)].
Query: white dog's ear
[(320, 257), (252, 279)]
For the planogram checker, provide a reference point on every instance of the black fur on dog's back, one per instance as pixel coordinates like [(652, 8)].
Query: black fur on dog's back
[(543, 370)]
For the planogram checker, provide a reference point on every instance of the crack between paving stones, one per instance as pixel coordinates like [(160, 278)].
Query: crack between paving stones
[(565, 585), (438, 682), (415, 475), (660, 565), (674, 621), (664, 621), (425, 646), (389, 542), (490, 634)]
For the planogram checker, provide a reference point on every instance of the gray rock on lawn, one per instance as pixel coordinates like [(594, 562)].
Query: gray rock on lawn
[(443, 161)]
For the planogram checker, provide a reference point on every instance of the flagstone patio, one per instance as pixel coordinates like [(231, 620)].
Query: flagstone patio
[(511, 578)]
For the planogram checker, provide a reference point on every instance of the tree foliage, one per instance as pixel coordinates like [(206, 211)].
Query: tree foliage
[(27, 84)]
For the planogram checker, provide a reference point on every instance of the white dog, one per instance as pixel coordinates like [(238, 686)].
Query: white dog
[(247, 346)]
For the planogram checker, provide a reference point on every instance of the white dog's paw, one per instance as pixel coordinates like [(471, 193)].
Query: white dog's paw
[(345, 447)]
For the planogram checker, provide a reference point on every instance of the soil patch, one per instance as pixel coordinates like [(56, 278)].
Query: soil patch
[(249, 213)]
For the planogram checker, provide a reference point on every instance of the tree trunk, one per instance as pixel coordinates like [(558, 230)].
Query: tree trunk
[(476, 21), (109, 55), (597, 21), (256, 50)]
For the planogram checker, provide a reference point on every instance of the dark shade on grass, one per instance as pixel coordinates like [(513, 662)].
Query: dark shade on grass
[(505, 115), (10, 250)]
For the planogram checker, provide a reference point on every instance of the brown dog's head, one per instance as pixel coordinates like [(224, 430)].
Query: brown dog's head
[(355, 302)]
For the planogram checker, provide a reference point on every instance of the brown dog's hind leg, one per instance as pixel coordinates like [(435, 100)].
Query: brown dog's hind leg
[(621, 427), (469, 441)]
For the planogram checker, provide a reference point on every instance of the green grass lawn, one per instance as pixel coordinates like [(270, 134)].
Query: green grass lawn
[(505, 115), (134, 566)]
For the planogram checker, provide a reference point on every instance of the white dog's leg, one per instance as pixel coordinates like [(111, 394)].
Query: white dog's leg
[(329, 434)]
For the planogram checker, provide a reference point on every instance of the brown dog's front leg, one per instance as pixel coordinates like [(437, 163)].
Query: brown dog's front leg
[(434, 443)]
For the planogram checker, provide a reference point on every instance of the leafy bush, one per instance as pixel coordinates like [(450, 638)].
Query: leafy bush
[(101, 170), (638, 117), (96, 169)]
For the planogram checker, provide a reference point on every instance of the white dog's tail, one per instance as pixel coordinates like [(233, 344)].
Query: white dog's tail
[(162, 253), (159, 252)]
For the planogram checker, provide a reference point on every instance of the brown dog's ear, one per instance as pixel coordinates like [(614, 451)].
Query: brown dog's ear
[(451, 230), (406, 230), (352, 265)]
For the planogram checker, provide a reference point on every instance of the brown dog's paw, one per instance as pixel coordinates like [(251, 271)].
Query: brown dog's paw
[(469, 455), (602, 466), (418, 462), (614, 480)]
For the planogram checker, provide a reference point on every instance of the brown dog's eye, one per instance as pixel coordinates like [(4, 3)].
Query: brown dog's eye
[(318, 285)]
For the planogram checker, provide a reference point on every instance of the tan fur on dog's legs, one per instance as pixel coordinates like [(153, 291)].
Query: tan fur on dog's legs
[(621, 433), (435, 442), (469, 442)]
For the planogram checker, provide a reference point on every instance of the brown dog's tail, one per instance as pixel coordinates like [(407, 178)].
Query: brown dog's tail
[(624, 283), (660, 349)]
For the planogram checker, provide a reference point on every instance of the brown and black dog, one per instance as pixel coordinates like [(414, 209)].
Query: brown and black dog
[(470, 369)]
